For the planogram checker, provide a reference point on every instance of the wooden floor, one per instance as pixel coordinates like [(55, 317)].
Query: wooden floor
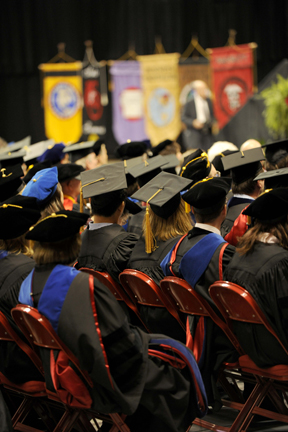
[(226, 416)]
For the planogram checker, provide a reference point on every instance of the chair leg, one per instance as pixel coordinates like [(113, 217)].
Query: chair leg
[(22, 411), (67, 421), (118, 423)]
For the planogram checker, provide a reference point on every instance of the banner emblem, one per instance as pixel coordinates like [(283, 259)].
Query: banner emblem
[(64, 100), (161, 107)]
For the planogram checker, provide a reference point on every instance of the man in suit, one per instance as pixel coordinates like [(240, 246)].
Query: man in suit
[(198, 117)]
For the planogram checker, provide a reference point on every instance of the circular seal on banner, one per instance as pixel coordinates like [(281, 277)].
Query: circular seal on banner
[(161, 107), (64, 100), (233, 95)]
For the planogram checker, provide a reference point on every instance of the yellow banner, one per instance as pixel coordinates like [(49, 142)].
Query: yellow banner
[(160, 82), (62, 101)]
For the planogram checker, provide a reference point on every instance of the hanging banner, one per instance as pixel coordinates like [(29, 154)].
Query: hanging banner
[(190, 70), (127, 102), (62, 101), (232, 79), (94, 112), (160, 80)]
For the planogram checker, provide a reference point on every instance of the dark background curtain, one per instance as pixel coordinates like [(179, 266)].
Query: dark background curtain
[(31, 29)]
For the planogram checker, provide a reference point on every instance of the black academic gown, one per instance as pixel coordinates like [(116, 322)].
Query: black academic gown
[(158, 320), (106, 249), (234, 208), (217, 347), (153, 394), (14, 363), (135, 222), (264, 273)]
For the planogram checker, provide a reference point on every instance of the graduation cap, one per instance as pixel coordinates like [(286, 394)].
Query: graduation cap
[(244, 165), (69, 171), (24, 143), (131, 149), (275, 178), (97, 146), (196, 166), (36, 150), (271, 207), (132, 207), (9, 159), (128, 164), (276, 151), (98, 182), (161, 146), (17, 215), (163, 195), (33, 169), (147, 169), (171, 162), (53, 153), (43, 185), (10, 181), (80, 150), (206, 194), (57, 226), (218, 164)]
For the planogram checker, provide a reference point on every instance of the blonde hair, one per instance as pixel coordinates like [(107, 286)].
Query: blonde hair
[(55, 204), (63, 252), (17, 246), (179, 223)]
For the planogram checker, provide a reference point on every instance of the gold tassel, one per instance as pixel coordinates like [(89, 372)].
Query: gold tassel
[(149, 239), (187, 207), (249, 221), (81, 201)]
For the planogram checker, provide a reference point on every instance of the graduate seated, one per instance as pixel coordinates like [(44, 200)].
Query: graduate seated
[(276, 155), (165, 223), (106, 246), (196, 166), (201, 258), (260, 265), (55, 154), (155, 395), (17, 215), (69, 178)]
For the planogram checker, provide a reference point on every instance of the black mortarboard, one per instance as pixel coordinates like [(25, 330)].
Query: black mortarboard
[(244, 165), (276, 151), (9, 159), (271, 207), (54, 153), (147, 170), (218, 164), (161, 146), (162, 193), (131, 149), (80, 150), (35, 168), (275, 178), (25, 142), (132, 207), (17, 215), (10, 181), (207, 194), (171, 162), (69, 171), (196, 166), (128, 164), (57, 227), (97, 146)]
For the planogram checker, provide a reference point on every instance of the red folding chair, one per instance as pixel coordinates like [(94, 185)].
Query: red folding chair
[(38, 329), (116, 289), (30, 391), (147, 292), (236, 304)]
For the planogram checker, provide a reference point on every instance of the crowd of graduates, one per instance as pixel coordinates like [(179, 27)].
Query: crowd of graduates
[(200, 217)]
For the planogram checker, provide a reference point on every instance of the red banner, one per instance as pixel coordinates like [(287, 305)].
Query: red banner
[(232, 79)]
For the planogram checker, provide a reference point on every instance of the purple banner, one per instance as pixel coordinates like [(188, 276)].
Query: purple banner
[(127, 102)]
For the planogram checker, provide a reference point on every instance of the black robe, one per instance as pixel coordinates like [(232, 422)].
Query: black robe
[(153, 394), (135, 223), (234, 208), (158, 320), (14, 363), (264, 273), (106, 249), (217, 347)]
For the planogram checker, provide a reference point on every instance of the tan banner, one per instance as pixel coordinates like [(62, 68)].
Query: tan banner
[(160, 83), (189, 72)]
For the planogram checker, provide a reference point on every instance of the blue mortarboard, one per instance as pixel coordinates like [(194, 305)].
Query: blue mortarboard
[(43, 185), (54, 154)]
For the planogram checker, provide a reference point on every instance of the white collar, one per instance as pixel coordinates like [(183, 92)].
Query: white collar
[(95, 226), (266, 237), (244, 196), (207, 227)]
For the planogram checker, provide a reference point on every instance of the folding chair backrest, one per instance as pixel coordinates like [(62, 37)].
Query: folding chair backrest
[(108, 281), (237, 304), (188, 301), (41, 332)]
